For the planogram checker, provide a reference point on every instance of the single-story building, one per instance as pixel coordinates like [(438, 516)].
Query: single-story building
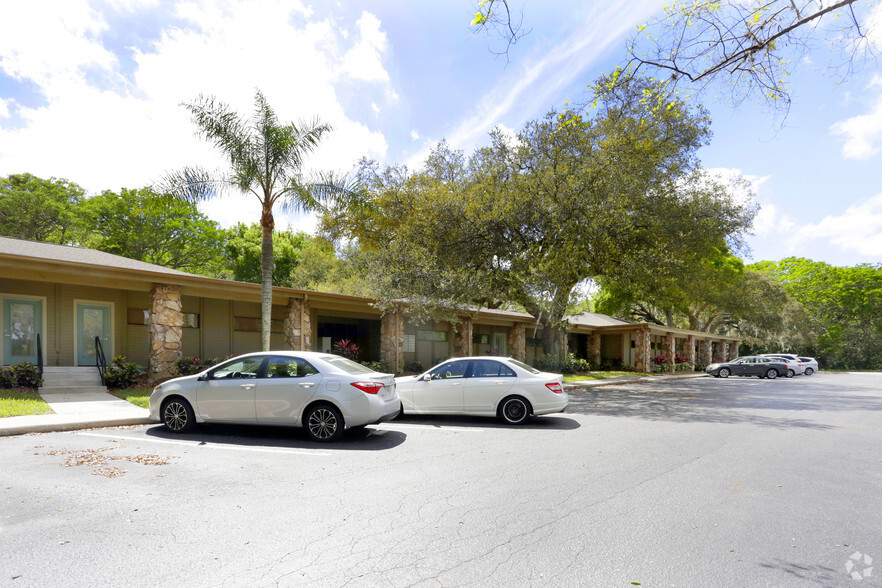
[(56, 300)]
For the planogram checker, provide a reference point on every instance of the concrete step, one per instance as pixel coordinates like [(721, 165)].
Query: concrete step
[(56, 390)]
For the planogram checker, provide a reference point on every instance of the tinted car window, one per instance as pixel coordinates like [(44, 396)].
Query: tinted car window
[(524, 366), (347, 365), (239, 369), (453, 369), (289, 367), (486, 368)]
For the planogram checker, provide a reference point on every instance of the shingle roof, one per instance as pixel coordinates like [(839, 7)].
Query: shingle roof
[(38, 250), (592, 319)]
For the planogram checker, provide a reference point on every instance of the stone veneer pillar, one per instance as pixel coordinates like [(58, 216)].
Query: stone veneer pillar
[(690, 352), (392, 341), (297, 325), (705, 352), (517, 341), (733, 351), (594, 341), (166, 322), (462, 338), (671, 352), (642, 351), (724, 355)]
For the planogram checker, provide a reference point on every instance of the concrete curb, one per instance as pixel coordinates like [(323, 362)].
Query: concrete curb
[(68, 424)]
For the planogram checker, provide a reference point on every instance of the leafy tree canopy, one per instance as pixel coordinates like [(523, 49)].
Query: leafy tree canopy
[(38, 210)]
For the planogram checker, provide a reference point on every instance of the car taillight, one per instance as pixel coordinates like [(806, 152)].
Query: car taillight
[(555, 387), (368, 387)]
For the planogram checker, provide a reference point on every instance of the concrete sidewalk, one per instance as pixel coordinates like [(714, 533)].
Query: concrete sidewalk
[(77, 410)]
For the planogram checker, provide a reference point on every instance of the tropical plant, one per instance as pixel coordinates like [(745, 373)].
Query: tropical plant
[(26, 375), (265, 160), (121, 373), (346, 348)]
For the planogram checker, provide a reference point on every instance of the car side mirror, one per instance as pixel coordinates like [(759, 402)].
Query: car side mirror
[(426, 378), (202, 378)]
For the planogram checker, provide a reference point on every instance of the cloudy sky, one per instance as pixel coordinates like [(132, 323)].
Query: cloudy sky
[(91, 91)]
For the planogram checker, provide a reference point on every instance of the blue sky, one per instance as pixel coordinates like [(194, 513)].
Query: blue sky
[(91, 91)]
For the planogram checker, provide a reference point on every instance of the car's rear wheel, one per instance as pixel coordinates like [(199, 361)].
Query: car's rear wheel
[(809, 371), (514, 410), (772, 374), (724, 372), (324, 423), (177, 415), (790, 373)]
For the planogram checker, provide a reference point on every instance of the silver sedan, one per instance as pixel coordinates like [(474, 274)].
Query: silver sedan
[(323, 393), (483, 386)]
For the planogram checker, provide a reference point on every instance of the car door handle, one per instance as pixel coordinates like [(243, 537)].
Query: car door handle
[(307, 384), (499, 382), (248, 386), (456, 383)]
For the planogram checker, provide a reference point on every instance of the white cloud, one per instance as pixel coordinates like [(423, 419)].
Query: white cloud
[(863, 133), (376, 109), (414, 135), (129, 131), (4, 108), (365, 60), (857, 230)]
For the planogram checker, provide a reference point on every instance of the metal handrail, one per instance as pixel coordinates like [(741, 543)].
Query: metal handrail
[(40, 358), (100, 362)]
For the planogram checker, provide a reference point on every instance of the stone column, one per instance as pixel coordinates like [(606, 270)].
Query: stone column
[(594, 349), (690, 352), (517, 341), (166, 322), (724, 354), (670, 352), (392, 341), (462, 338), (733, 351), (297, 325), (705, 352), (642, 360)]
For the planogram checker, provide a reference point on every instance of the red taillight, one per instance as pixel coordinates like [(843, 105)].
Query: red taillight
[(555, 387), (368, 387)]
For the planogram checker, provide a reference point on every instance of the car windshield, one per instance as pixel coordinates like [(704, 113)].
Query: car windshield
[(347, 365), (524, 366)]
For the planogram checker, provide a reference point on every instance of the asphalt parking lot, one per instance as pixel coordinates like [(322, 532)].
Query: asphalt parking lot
[(703, 482)]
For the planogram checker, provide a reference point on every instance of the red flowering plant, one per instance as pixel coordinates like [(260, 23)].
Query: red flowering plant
[(346, 348)]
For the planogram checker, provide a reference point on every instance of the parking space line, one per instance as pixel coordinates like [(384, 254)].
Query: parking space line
[(207, 445), (440, 428)]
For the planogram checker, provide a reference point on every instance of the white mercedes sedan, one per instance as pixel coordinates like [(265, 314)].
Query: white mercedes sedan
[(325, 394), (483, 386)]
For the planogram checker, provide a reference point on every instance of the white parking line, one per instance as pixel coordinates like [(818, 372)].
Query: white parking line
[(206, 445), (439, 428)]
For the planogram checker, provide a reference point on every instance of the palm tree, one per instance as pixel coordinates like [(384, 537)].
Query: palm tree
[(265, 160)]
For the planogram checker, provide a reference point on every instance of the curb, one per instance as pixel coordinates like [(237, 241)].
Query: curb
[(630, 380), (71, 425)]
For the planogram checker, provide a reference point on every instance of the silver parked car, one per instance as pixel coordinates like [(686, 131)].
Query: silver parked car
[(323, 393), (483, 386), (809, 364)]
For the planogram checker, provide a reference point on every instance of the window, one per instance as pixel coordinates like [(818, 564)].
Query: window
[(245, 323), (480, 339), (347, 365), (485, 368), (191, 320), (138, 316), (524, 366), (289, 367), (450, 370), (435, 336), (244, 368)]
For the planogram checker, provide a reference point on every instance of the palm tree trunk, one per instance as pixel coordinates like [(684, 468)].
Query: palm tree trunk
[(266, 279)]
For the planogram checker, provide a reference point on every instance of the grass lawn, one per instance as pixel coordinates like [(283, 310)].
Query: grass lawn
[(137, 396), (15, 403), (600, 375)]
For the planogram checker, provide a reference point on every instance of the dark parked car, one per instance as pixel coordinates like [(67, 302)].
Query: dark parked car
[(761, 367)]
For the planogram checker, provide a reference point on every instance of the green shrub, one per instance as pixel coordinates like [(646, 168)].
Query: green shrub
[(193, 365), (413, 367), (7, 378), (121, 374), (377, 366), (553, 363), (26, 375)]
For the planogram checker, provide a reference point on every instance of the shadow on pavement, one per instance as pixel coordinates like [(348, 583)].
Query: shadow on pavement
[(547, 422), (742, 400), (359, 439)]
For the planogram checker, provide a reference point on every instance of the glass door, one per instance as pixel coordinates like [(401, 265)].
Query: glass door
[(93, 320), (22, 322)]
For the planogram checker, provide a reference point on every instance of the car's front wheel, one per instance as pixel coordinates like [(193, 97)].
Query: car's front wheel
[(514, 410), (324, 423), (772, 374), (809, 371), (724, 372), (177, 415)]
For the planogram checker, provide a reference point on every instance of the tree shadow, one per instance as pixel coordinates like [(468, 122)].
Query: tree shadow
[(358, 439), (719, 401), (545, 422)]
